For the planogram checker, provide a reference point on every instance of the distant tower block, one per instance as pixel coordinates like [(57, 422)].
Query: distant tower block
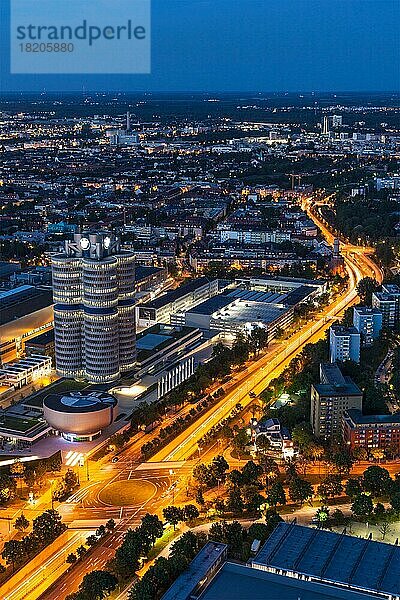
[(128, 121), (336, 248), (337, 263), (325, 125)]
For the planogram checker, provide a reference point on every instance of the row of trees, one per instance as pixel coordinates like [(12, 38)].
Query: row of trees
[(45, 529), (91, 541), (163, 573)]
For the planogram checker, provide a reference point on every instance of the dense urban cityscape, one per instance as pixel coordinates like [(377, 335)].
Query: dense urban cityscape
[(200, 341)]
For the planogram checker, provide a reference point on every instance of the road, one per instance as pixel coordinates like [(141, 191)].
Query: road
[(171, 465)]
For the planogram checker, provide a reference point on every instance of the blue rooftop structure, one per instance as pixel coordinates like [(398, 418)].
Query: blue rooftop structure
[(336, 559), (240, 582)]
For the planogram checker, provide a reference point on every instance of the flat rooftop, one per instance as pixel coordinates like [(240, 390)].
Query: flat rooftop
[(358, 417), (141, 272), (197, 570), (22, 301), (349, 388), (179, 292), (359, 563), (238, 582)]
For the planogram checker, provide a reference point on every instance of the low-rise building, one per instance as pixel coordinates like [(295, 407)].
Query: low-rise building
[(180, 299), (371, 431), (25, 312), (341, 562)]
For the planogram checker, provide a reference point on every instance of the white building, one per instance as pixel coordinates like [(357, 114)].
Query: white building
[(344, 344), (368, 322), (94, 311), (388, 302)]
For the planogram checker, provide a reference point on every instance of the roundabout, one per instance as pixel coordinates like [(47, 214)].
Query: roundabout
[(127, 492)]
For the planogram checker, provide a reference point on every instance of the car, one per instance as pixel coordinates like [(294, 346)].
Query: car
[(252, 395), (115, 459)]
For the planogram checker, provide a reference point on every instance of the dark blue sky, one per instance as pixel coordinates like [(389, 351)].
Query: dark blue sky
[(254, 45)]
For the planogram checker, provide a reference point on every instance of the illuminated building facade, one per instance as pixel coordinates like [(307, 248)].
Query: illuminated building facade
[(94, 308)]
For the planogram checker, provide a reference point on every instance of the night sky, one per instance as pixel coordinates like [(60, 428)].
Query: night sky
[(252, 45)]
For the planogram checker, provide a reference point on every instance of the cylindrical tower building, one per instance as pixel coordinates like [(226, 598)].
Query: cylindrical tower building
[(68, 316), (94, 313), (126, 310)]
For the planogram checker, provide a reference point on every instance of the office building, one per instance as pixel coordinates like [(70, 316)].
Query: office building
[(341, 562), (388, 302), (94, 311), (330, 399), (368, 322), (180, 299), (344, 344), (371, 431), (25, 312)]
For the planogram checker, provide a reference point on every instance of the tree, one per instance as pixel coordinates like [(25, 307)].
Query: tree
[(322, 515), (48, 526), (173, 515), (262, 443), (376, 480), (343, 461), (152, 527), (365, 289), (384, 529), (303, 436), (91, 540), (71, 558), (21, 523), (13, 552), (300, 490), (97, 585), (362, 505), (234, 502), (204, 475), (241, 440), (110, 525), (395, 502), (190, 512), (353, 487), (81, 551), (8, 485), (186, 545), (235, 478), (276, 494), (218, 467), (101, 531), (251, 472), (330, 487), (258, 531)]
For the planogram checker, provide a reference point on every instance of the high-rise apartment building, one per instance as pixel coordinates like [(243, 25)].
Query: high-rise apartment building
[(330, 399), (94, 308), (344, 344), (368, 322), (388, 302)]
